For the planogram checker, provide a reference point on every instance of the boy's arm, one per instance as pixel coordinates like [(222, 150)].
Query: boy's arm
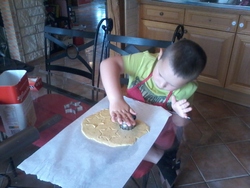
[(111, 69)]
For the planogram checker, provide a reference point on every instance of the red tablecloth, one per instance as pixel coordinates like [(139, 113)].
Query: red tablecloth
[(48, 106)]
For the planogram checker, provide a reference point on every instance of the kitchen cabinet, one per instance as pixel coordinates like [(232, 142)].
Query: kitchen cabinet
[(215, 34), (157, 30), (162, 14), (218, 46), (238, 78), (210, 20), (159, 22), (224, 36)]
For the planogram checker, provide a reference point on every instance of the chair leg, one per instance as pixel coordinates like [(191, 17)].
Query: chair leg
[(12, 166), (145, 180), (48, 81), (2, 136), (135, 182), (8, 179), (11, 162), (168, 165)]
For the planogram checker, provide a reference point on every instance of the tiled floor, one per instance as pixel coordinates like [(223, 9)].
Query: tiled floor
[(215, 151)]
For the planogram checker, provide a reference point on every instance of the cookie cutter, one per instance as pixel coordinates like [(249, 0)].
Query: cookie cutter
[(124, 126), (73, 107)]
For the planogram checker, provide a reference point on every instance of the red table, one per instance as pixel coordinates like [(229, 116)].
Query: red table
[(50, 112), (50, 105)]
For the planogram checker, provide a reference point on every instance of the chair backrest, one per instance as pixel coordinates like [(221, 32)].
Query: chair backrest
[(70, 51), (125, 45)]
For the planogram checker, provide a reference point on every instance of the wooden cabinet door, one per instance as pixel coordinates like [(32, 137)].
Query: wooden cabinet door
[(211, 20), (156, 30), (238, 78), (244, 25), (218, 47), (162, 14)]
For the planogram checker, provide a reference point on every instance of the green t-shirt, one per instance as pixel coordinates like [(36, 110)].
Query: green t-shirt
[(138, 66)]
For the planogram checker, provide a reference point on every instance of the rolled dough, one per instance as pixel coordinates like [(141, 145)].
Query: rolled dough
[(100, 128)]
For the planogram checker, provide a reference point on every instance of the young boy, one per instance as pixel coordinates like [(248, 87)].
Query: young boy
[(165, 79)]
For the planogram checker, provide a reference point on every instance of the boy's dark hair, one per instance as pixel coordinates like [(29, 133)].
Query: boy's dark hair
[(186, 58)]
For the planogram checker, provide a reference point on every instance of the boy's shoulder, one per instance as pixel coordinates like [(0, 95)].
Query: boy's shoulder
[(153, 55), (139, 61), (186, 91), (142, 54)]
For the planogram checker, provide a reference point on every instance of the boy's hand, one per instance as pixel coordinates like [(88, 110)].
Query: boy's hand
[(181, 107), (121, 112)]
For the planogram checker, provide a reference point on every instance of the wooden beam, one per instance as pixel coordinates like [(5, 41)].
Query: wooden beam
[(115, 10)]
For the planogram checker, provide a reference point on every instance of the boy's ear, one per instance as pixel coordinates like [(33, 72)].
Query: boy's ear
[(160, 53)]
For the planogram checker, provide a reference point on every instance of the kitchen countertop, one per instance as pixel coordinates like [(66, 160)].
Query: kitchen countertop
[(196, 4)]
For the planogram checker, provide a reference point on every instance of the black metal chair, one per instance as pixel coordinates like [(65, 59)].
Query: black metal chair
[(64, 48)]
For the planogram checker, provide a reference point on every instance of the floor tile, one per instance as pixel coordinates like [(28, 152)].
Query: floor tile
[(196, 117), (246, 119), (231, 129), (192, 135), (201, 134), (197, 185), (238, 109), (199, 97), (217, 162), (212, 109), (242, 151), (189, 174), (242, 182)]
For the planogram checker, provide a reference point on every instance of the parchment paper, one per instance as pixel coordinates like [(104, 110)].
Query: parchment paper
[(70, 160)]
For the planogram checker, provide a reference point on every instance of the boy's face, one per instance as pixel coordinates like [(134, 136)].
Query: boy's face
[(164, 77)]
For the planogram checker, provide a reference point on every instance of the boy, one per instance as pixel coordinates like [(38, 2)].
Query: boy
[(165, 79)]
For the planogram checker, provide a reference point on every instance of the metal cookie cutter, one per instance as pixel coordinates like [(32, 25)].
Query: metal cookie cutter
[(124, 126), (73, 107)]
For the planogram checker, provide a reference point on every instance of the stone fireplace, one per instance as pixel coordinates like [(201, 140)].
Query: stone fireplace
[(23, 24)]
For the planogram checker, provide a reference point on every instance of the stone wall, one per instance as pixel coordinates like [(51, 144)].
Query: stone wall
[(24, 24)]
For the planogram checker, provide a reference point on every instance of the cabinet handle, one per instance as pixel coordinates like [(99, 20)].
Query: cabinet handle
[(241, 25), (161, 13), (233, 23)]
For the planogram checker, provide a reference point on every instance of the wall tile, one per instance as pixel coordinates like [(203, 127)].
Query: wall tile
[(28, 31), (23, 18), (29, 44), (18, 4)]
